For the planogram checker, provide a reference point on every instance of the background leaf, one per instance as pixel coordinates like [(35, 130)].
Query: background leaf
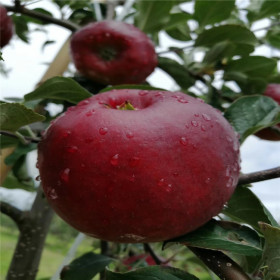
[(223, 236), (209, 12), (249, 114), (15, 115), (245, 207), (152, 273), (59, 88), (85, 267)]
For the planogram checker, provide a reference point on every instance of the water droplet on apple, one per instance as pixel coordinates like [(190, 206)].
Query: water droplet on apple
[(187, 125), (89, 113), (196, 115), (115, 160), (229, 182), (66, 133), (184, 141), (228, 171), (194, 123), (103, 130), (51, 193), (229, 139), (161, 182), (84, 102), (38, 178), (132, 178), (129, 135), (64, 175), (207, 180), (181, 100), (203, 128), (175, 174), (143, 92), (107, 34), (200, 100), (71, 149), (206, 117), (70, 109), (134, 161)]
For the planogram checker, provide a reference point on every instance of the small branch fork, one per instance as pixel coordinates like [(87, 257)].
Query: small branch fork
[(27, 139), (18, 8)]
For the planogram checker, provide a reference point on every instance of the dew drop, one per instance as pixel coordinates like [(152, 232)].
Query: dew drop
[(143, 92), (196, 115), (70, 109), (203, 128), (107, 34), (66, 133), (187, 125), (52, 194), (89, 113), (229, 182), (200, 100), (103, 130), (134, 161), (132, 178), (175, 174), (181, 100), (184, 141), (38, 178), (206, 117), (84, 102), (228, 171), (161, 182), (129, 135), (194, 123), (64, 175), (71, 149), (207, 181), (115, 160), (229, 139)]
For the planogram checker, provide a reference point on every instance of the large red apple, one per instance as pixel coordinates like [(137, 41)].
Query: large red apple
[(271, 133), (6, 27), (142, 175), (112, 52)]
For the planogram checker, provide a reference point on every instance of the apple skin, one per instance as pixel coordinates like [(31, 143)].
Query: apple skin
[(129, 261), (143, 175), (271, 133), (111, 52), (6, 27)]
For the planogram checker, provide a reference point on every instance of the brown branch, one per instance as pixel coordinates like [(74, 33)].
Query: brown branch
[(43, 17), (27, 138), (14, 213), (149, 249), (223, 266), (259, 176)]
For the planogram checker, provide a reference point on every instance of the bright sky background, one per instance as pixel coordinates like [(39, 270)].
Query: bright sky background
[(27, 64)]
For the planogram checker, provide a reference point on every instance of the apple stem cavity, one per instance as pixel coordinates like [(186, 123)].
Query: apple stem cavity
[(108, 54), (125, 106)]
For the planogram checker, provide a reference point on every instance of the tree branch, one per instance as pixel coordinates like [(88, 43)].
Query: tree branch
[(27, 138), (223, 266), (149, 249), (259, 176), (43, 17), (14, 213)]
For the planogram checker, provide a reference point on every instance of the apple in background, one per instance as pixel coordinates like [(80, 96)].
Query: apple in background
[(111, 52), (142, 260), (6, 27), (271, 133), (143, 175)]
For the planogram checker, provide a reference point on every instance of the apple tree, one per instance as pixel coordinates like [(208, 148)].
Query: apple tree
[(223, 92)]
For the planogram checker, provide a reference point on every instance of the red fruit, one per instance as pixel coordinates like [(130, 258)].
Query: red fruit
[(6, 27), (142, 175), (111, 52), (271, 133)]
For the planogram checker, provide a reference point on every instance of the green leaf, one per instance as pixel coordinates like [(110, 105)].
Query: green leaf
[(85, 267), (20, 151), (212, 11), (263, 9), (273, 37), (271, 254), (177, 26), (152, 273), (15, 115), (21, 27), (148, 11), (223, 236), (253, 66), (242, 38), (7, 141), (177, 71), (245, 207), (250, 114), (59, 88)]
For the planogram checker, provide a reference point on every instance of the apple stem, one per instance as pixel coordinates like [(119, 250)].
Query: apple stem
[(149, 249)]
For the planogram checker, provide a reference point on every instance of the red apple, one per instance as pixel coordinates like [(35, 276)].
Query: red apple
[(144, 259), (271, 133), (111, 52), (6, 27), (142, 175)]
